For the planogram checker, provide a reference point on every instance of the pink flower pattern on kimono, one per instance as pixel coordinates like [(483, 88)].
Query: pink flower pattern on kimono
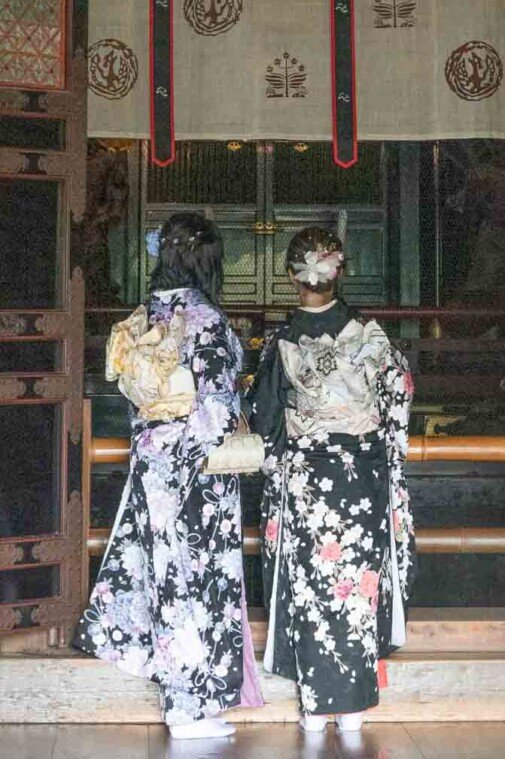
[(343, 589), (369, 583), (331, 552), (272, 530), (333, 606), (408, 383)]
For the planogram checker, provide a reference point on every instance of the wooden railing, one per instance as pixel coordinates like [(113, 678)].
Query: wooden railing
[(429, 540), (391, 313), (114, 450)]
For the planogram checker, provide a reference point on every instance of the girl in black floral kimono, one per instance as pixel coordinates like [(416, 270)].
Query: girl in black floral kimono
[(331, 400), (169, 601)]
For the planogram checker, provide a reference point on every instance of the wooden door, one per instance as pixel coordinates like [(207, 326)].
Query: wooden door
[(42, 196)]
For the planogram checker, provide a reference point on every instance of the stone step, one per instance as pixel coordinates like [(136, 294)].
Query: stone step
[(430, 630), (70, 688)]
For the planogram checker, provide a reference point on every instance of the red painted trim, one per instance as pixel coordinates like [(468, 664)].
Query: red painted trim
[(354, 159), (151, 76), (172, 93), (354, 93), (333, 50), (154, 157)]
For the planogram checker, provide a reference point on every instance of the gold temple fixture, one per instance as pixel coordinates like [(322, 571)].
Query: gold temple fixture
[(117, 144), (256, 343), (269, 228)]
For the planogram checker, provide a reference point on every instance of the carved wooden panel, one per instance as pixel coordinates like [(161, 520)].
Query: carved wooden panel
[(62, 549), (52, 325), (11, 388), (41, 530), (12, 326), (32, 44), (52, 388)]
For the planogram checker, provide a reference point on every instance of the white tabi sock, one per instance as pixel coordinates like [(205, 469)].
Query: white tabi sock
[(349, 722), (202, 728), (314, 723)]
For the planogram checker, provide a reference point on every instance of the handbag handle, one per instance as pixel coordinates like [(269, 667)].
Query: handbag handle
[(243, 427)]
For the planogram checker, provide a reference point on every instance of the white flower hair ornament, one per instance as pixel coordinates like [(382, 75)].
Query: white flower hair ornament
[(320, 266), (153, 242)]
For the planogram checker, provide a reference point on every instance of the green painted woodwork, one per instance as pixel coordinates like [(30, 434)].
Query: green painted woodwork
[(285, 187)]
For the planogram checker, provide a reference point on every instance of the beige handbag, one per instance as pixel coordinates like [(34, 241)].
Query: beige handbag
[(241, 453)]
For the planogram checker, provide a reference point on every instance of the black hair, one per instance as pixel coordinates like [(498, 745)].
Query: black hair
[(312, 238), (191, 255)]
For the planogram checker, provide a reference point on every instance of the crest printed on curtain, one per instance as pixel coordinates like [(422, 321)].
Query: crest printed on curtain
[(212, 17), (395, 14), (474, 71), (118, 69), (113, 69), (402, 93), (32, 44), (286, 78)]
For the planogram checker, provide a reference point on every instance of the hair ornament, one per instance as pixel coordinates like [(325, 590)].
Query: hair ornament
[(153, 242), (319, 266)]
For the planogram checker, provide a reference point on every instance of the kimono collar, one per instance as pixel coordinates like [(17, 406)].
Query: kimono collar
[(318, 309), (314, 324)]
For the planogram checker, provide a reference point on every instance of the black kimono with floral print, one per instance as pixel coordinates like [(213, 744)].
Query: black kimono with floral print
[(337, 533), (168, 603)]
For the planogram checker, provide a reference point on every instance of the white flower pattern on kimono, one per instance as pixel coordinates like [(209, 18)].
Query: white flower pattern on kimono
[(167, 603), (327, 499), (187, 647)]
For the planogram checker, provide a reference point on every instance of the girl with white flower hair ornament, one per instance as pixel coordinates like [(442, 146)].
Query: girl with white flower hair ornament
[(331, 399), (169, 601)]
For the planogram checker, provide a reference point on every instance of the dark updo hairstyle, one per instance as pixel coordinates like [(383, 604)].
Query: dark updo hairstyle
[(316, 239), (190, 255)]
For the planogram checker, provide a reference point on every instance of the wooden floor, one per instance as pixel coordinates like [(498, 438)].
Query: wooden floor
[(482, 740)]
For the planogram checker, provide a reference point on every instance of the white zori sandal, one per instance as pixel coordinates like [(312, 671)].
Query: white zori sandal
[(349, 722), (214, 727)]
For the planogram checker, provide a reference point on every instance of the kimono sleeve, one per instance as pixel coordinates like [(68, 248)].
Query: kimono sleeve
[(395, 389), (395, 394), (267, 399), (215, 363)]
